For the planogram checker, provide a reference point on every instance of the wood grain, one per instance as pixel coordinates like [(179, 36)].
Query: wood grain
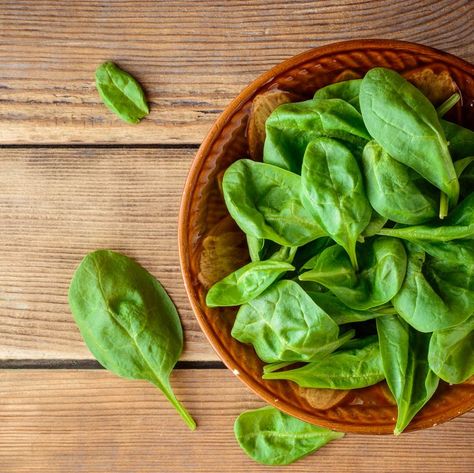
[(91, 421), (56, 205), (192, 57)]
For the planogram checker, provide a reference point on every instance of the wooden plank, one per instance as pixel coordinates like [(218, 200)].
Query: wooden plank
[(192, 57), (56, 205), (84, 421)]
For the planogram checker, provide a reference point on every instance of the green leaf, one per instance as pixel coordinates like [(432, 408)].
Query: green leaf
[(348, 368), (448, 104), (246, 283), (256, 247), (284, 324), (461, 165), (271, 437), (376, 223), (460, 139), (264, 200), (121, 92), (404, 122), (128, 321), (451, 354), (333, 192), (346, 90), (396, 191), (404, 356), (382, 264), (292, 126)]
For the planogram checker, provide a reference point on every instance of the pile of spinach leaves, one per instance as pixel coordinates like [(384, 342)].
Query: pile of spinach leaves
[(360, 226)]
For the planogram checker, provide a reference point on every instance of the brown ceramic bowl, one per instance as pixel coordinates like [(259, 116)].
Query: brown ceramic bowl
[(211, 246)]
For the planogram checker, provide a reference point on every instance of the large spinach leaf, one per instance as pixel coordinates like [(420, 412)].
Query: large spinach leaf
[(404, 122), (382, 264), (347, 90), (405, 362), (292, 126), (333, 192), (437, 293), (264, 201), (395, 190), (451, 353), (349, 368), (272, 437), (121, 92), (128, 321), (246, 283), (284, 324)]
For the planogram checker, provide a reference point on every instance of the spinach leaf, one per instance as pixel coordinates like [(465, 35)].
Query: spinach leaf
[(311, 250), (271, 437), (256, 247), (459, 224), (121, 92), (382, 270), (461, 165), (448, 104), (292, 126), (460, 139), (436, 293), (394, 190), (333, 192), (350, 368), (246, 283), (347, 90), (284, 324), (376, 223), (457, 251), (404, 122), (451, 354), (264, 201), (284, 253), (128, 321), (405, 362)]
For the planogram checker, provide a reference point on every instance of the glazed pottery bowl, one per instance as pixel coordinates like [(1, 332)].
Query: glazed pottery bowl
[(211, 245)]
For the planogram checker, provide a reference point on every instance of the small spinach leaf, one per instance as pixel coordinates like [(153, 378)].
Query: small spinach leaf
[(246, 283), (460, 139), (347, 90), (405, 361), (264, 201), (333, 192), (121, 92), (128, 321), (271, 437)]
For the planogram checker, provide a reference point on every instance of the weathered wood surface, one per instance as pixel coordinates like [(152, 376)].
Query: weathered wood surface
[(192, 56), (90, 421)]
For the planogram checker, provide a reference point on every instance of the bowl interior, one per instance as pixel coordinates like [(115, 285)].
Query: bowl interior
[(211, 245)]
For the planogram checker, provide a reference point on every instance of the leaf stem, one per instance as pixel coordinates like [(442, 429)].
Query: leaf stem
[(443, 205), (447, 105)]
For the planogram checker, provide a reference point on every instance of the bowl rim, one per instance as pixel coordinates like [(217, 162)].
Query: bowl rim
[(213, 134)]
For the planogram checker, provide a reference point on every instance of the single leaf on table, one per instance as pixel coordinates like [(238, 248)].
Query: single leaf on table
[(395, 190), (451, 353), (404, 122), (128, 321), (347, 90), (458, 225), (437, 293), (271, 437), (382, 263), (347, 368), (246, 283), (405, 361), (121, 92), (284, 324), (292, 126), (264, 200), (333, 192), (460, 139)]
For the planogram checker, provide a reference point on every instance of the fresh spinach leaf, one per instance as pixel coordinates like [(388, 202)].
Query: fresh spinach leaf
[(121, 92), (333, 192), (346, 90), (284, 324), (128, 321), (382, 270), (404, 122), (448, 104), (350, 368), (396, 191), (405, 362), (246, 283), (256, 247), (311, 250), (271, 437), (376, 223), (264, 201), (292, 126), (460, 139), (451, 354), (461, 165), (436, 293)]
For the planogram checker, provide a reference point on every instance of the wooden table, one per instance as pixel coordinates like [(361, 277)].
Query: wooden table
[(74, 178)]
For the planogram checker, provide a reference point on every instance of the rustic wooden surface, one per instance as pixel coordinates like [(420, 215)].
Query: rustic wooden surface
[(74, 178)]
